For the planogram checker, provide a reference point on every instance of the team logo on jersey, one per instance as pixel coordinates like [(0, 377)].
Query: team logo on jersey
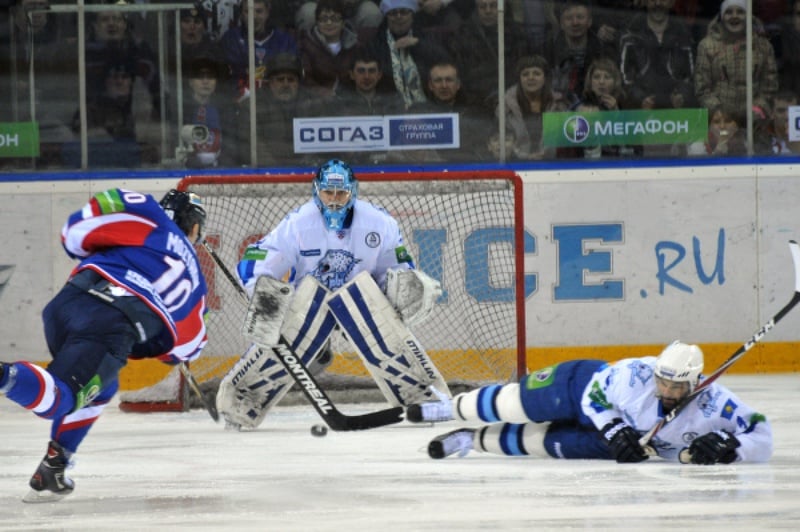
[(541, 378), (688, 437), (707, 403), (332, 269), (402, 254), (640, 372), (373, 239)]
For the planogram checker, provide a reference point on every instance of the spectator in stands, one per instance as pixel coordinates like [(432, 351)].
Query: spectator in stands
[(721, 71), (326, 50), (491, 151), (445, 96), (437, 20), (268, 42), (362, 15), (195, 39), (525, 102), (111, 125), (37, 36), (726, 133), (573, 49), (788, 59), (220, 16), (475, 50), (657, 63), (276, 108), (778, 131), (610, 17), (405, 57), (603, 91), (202, 105), (363, 98), (111, 42), (698, 14)]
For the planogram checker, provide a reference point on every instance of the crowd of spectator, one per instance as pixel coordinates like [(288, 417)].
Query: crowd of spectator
[(390, 57)]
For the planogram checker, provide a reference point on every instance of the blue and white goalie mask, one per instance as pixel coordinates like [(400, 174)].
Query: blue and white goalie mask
[(335, 189)]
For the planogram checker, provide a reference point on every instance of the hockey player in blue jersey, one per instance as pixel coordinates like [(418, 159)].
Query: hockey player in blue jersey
[(137, 292), (591, 409)]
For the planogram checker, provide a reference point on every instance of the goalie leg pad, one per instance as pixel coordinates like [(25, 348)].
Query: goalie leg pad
[(258, 381), (390, 352), (265, 314)]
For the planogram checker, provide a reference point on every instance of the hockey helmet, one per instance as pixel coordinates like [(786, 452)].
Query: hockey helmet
[(335, 176), (680, 362), (185, 209)]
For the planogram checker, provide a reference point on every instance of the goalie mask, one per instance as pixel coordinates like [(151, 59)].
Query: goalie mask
[(185, 209), (335, 189), (680, 363)]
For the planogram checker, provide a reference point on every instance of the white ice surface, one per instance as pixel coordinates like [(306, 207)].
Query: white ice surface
[(183, 472)]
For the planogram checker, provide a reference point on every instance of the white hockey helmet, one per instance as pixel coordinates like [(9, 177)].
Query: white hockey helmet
[(680, 362)]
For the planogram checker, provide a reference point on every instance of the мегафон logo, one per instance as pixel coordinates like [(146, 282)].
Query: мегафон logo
[(576, 129)]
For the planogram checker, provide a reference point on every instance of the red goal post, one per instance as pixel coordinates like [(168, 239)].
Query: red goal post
[(463, 228)]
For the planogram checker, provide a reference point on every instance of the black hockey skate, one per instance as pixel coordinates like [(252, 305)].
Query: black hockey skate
[(49, 483)]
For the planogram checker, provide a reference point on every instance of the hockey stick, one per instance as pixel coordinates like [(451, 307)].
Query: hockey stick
[(739, 353), (335, 419), (209, 405)]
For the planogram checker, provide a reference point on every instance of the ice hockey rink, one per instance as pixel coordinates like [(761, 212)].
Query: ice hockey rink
[(184, 472)]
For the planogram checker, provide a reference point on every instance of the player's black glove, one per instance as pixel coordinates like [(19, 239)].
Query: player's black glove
[(623, 442), (715, 447)]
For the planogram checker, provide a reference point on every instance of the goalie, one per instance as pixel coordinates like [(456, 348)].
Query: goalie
[(347, 269)]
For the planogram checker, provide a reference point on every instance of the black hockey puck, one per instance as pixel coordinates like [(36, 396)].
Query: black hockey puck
[(319, 431)]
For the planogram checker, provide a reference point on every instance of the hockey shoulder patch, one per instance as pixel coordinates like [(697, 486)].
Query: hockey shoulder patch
[(390, 352)]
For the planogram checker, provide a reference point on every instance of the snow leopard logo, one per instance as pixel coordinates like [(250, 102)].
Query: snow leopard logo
[(332, 270)]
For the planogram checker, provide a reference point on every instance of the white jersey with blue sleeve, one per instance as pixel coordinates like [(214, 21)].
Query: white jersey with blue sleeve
[(302, 245), (627, 390)]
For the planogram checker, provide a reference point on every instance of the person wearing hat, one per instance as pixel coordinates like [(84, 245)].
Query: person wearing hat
[(721, 72), (268, 41), (405, 57), (202, 105), (279, 102)]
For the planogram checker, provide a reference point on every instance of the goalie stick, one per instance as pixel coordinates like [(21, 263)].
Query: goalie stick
[(739, 353), (210, 407), (335, 419)]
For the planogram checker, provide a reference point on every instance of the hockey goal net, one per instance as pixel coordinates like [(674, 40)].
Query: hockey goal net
[(463, 228)]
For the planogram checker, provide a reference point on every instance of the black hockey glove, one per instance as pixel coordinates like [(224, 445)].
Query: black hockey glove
[(715, 447), (623, 442)]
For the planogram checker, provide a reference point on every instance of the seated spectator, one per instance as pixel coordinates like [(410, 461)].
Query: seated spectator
[(110, 41), (610, 18), (326, 50), (269, 41), (490, 152), (602, 91), (446, 96), (437, 20), (778, 130), (194, 37), (111, 127), (525, 102), (361, 97), (405, 57), (726, 133), (475, 50), (277, 105), (570, 52), (363, 16), (721, 73), (657, 64), (202, 105)]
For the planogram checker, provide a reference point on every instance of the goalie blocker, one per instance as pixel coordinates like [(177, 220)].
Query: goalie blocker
[(390, 352)]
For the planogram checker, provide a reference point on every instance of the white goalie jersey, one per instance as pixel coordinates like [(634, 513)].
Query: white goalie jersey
[(301, 245)]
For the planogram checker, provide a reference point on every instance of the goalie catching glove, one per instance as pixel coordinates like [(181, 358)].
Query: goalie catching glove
[(623, 442), (715, 447)]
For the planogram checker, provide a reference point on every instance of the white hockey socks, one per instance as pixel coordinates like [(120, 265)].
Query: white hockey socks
[(491, 404)]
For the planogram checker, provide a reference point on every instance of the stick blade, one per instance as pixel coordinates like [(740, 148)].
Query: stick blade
[(372, 420)]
